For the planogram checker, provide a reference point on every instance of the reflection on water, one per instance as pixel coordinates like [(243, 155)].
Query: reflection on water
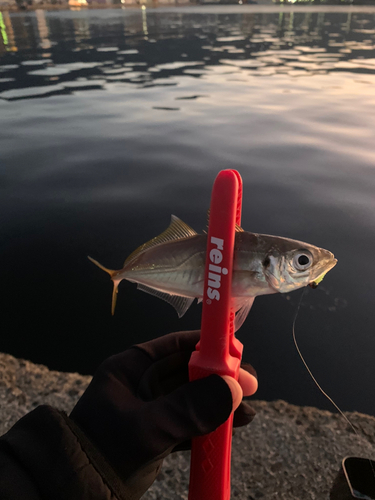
[(112, 120), (7, 41), (294, 44), (43, 29)]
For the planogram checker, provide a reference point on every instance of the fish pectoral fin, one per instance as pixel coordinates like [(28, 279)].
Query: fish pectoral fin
[(242, 308), (176, 230), (180, 303)]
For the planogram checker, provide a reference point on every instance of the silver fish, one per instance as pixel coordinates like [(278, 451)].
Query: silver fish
[(171, 267)]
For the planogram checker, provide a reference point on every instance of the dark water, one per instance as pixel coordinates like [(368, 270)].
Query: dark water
[(112, 120)]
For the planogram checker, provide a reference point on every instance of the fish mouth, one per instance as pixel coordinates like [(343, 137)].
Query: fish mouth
[(327, 266)]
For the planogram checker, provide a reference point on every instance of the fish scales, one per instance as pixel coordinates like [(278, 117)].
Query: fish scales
[(174, 267)]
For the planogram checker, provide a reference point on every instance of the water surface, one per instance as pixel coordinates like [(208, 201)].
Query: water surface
[(111, 120)]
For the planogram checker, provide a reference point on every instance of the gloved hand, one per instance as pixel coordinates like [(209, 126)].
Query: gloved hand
[(140, 406)]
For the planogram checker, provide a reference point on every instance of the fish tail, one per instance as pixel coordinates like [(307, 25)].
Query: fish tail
[(116, 282), (114, 295), (109, 271)]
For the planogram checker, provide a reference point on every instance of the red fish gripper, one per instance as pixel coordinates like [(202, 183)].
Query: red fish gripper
[(218, 351)]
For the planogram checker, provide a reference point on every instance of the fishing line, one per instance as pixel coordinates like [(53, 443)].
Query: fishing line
[(314, 379), (310, 372)]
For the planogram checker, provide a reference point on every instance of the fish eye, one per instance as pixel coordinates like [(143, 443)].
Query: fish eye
[(302, 260)]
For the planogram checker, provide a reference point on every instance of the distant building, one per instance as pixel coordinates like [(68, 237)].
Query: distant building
[(77, 3), (8, 3), (241, 2)]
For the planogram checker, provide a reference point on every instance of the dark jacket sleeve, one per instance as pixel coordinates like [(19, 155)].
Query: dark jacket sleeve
[(45, 456)]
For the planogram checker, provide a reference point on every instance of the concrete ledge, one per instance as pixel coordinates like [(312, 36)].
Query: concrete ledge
[(287, 453)]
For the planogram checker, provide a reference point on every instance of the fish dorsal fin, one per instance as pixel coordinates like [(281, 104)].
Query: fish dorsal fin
[(181, 304), (242, 308), (176, 230)]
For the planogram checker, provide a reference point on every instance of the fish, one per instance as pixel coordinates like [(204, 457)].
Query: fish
[(171, 266)]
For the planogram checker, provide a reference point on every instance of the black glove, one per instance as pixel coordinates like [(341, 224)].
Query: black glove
[(140, 407)]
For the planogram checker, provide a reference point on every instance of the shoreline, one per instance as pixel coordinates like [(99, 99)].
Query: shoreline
[(198, 8)]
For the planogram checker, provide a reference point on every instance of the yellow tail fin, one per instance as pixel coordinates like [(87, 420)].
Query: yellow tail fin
[(114, 295), (111, 272)]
